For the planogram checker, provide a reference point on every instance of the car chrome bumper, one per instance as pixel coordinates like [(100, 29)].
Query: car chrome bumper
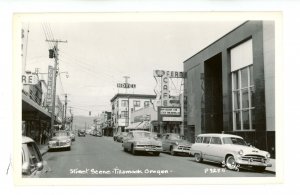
[(182, 151), (60, 146), (148, 149), (253, 163)]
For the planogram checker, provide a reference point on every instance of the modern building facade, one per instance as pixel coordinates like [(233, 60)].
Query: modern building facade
[(230, 86), (122, 107)]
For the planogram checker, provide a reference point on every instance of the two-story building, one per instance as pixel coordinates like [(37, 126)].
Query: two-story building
[(122, 107), (230, 86)]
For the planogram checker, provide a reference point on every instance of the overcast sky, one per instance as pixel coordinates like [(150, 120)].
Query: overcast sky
[(98, 54)]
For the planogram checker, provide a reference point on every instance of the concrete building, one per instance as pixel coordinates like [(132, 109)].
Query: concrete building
[(122, 107), (230, 86)]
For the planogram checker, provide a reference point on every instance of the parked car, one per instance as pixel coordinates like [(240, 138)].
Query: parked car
[(231, 150), (33, 164), (72, 135), (115, 136), (98, 134), (121, 136), (174, 144), (81, 132), (61, 139), (137, 141)]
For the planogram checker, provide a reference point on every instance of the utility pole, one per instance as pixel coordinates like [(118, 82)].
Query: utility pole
[(56, 68), (66, 103)]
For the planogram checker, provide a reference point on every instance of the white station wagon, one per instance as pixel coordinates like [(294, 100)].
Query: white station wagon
[(231, 150)]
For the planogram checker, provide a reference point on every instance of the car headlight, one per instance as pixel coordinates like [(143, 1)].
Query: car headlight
[(241, 152), (176, 143), (52, 142), (268, 155)]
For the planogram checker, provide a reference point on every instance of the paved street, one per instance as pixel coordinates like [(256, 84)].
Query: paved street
[(102, 157)]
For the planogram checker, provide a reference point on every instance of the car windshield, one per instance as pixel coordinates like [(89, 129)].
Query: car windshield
[(60, 134), (174, 137), (234, 140), (141, 134)]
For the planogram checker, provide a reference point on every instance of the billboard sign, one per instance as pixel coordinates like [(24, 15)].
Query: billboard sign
[(169, 114)]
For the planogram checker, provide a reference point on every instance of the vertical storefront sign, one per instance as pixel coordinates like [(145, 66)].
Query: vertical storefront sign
[(49, 87), (165, 93)]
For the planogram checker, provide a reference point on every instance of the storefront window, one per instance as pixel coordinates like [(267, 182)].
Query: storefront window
[(124, 103), (243, 99), (136, 103)]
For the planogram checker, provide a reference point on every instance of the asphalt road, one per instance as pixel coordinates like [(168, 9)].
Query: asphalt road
[(102, 157)]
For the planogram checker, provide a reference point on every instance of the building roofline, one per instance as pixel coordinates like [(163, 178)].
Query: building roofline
[(133, 96), (216, 40)]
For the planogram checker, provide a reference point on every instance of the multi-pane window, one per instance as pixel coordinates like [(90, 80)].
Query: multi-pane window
[(124, 114), (124, 103), (136, 103), (243, 91), (146, 104)]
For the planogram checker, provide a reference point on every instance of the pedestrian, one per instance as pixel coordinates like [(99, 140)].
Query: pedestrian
[(44, 137)]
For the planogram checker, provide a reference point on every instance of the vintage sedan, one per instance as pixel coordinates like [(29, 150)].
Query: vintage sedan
[(72, 135), (81, 132), (231, 150), (138, 141), (61, 139), (33, 164), (174, 144)]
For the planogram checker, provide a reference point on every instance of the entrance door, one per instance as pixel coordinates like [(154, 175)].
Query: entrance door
[(213, 116)]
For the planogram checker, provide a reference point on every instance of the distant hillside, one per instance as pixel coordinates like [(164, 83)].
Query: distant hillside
[(80, 121)]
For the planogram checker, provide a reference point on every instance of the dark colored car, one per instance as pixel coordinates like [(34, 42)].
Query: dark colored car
[(81, 132), (121, 136), (174, 144)]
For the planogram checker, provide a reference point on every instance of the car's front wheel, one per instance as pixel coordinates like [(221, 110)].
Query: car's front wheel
[(173, 153), (133, 151), (198, 157), (231, 164)]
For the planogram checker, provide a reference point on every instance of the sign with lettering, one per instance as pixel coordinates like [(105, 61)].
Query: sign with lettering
[(170, 74), (126, 85), (30, 79), (49, 86), (178, 119), (165, 92), (170, 111)]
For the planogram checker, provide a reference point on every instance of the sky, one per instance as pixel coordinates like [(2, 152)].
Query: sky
[(98, 54)]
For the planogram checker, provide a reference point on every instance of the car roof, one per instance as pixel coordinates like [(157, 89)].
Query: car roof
[(26, 140), (219, 135)]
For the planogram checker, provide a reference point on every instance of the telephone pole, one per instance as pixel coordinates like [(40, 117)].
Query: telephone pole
[(66, 103), (56, 68)]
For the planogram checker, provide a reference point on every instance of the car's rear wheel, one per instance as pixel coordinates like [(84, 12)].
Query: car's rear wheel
[(198, 157), (231, 164), (124, 149)]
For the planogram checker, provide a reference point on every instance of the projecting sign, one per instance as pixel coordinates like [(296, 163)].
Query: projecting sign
[(170, 111), (126, 85), (49, 86), (30, 79), (172, 119), (165, 91), (170, 74)]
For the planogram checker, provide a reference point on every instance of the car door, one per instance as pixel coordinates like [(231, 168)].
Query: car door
[(204, 146), (165, 144), (213, 149)]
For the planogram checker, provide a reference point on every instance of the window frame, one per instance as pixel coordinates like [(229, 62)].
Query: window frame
[(238, 90)]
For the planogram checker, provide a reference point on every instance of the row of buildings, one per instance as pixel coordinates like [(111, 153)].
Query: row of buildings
[(36, 115), (229, 87)]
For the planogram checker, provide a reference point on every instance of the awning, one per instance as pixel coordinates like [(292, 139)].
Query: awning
[(133, 125)]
